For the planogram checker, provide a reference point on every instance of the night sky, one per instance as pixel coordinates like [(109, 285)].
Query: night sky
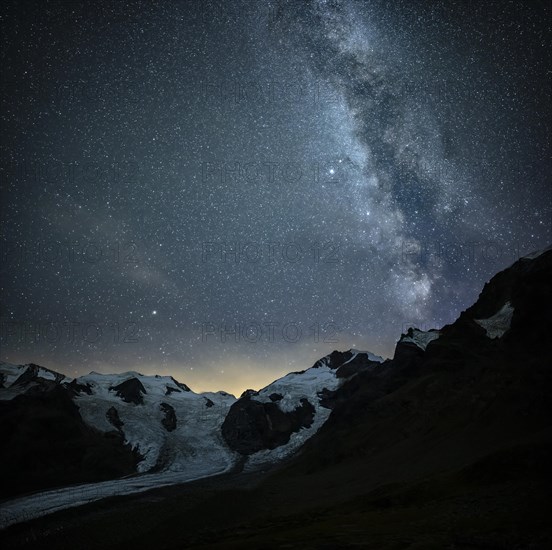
[(318, 175)]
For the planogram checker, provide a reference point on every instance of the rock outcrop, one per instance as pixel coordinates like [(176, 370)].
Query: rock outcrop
[(251, 426), (130, 391)]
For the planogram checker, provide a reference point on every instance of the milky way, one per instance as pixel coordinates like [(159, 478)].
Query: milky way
[(225, 192)]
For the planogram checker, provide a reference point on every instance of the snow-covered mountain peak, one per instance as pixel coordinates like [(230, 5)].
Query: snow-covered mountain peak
[(17, 379)]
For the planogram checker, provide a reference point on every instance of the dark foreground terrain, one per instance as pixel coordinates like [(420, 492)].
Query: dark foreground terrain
[(447, 448), (500, 502)]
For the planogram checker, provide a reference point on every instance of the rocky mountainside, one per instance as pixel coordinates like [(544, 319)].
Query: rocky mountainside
[(448, 445)]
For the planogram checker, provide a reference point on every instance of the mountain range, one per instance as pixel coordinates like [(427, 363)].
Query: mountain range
[(446, 445)]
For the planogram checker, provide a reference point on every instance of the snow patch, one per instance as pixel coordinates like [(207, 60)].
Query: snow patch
[(499, 323), (420, 338), (371, 356)]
